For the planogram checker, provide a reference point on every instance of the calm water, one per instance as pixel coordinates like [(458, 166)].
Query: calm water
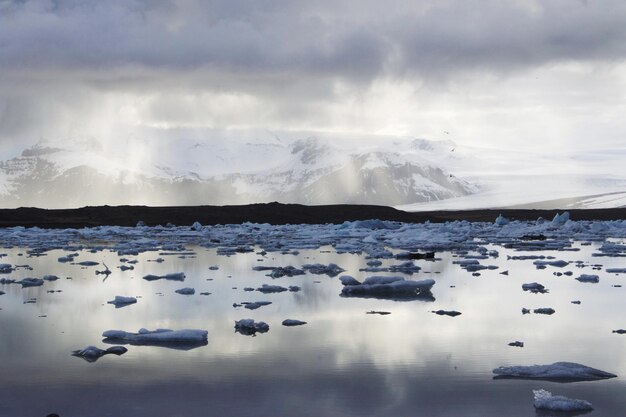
[(342, 363)]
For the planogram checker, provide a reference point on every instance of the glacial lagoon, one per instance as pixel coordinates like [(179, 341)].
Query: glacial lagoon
[(343, 361)]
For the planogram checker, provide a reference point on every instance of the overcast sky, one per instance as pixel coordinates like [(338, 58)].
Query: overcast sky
[(490, 72)]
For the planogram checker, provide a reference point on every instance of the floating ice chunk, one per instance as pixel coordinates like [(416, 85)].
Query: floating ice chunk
[(560, 219), (196, 226), (121, 301), (558, 371), (126, 268), (544, 310), (588, 278), (517, 343), (348, 280), (265, 289), (5, 268), (292, 322), (88, 263), (619, 331), (249, 327), (501, 220), (156, 337), (616, 270), (256, 304), (176, 276), (534, 287), (31, 282), (415, 255), (92, 353), (294, 288), (558, 264), (332, 270), (544, 400), (50, 278), (186, 291), (450, 313), (389, 287)]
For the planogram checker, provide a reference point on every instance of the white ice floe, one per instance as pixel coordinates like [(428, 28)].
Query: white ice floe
[(534, 287), (292, 322), (386, 287), (92, 353), (249, 327), (176, 276), (588, 278), (501, 220), (121, 301), (186, 291), (267, 289), (159, 335), (544, 400), (31, 282), (564, 371)]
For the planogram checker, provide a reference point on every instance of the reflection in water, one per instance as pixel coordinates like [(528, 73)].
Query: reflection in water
[(343, 362)]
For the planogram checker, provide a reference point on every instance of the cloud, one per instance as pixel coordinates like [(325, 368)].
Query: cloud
[(65, 64)]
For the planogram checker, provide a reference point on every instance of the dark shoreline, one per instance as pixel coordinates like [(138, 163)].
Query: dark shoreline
[(273, 213)]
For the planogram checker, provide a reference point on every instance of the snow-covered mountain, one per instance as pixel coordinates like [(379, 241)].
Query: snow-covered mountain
[(312, 169)]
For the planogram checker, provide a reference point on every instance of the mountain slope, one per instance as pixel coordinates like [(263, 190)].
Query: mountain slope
[(313, 170)]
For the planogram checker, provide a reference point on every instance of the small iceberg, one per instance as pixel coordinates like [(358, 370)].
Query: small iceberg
[(544, 400), (176, 276), (558, 372), (292, 322), (92, 353), (249, 327), (544, 310), (31, 282), (535, 288), (501, 220), (186, 291), (267, 289), (121, 301), (450, 313), (594, 279), (185, 339), (395, 288), (255, 305)]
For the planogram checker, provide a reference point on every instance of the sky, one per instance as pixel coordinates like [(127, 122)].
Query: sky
[(516, 74)]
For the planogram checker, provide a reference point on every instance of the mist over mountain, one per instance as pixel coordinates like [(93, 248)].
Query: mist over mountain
[(319, 169)]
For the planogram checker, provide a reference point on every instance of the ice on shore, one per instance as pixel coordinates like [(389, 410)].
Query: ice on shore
[(121, 301), (558, 371), (92, 353), (386, 287), (158, 337), (186, 291), (292, 322), (501, 220), (176, 276), (544, 400), (249, 327)]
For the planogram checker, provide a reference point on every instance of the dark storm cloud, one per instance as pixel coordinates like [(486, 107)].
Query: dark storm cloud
[(352, 41)]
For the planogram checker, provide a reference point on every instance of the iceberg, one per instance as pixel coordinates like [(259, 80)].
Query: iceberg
[(92, 353), (501, 220), (544, 400), (292, 322), (176, 276), (185, 339), (534, 287), (588, 278), (558, 372), (249, 327), (121, 301), (266, 289), (31, 282), (394, 288), (186, 291), (450, 313)]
